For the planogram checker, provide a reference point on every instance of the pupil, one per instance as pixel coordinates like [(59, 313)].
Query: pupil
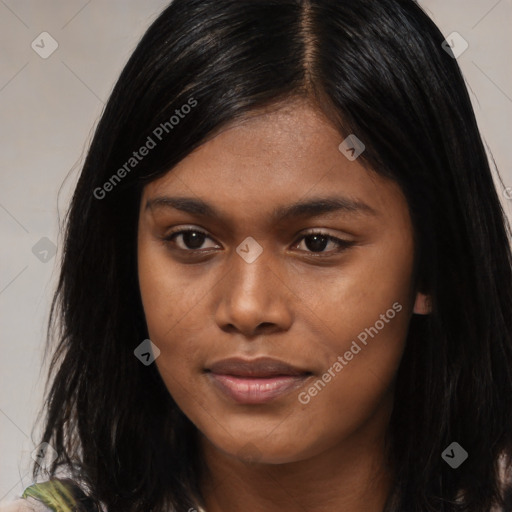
[(193, 239), (319, 242)]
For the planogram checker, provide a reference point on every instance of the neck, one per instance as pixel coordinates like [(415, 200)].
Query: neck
[(352, 476)]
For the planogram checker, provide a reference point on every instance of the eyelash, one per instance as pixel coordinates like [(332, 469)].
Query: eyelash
[(342, 244)]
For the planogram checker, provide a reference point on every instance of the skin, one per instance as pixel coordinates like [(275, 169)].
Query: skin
[(296, 302)]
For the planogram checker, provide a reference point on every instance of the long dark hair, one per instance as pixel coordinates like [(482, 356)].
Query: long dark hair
[(376, 69)]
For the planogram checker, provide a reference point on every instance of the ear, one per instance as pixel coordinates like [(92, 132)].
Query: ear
[(422, 304)]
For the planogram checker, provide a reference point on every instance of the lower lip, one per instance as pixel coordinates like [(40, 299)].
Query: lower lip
[(246, 390)]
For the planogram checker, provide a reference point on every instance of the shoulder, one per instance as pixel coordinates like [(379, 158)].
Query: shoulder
[(63, 495), (24, 505)]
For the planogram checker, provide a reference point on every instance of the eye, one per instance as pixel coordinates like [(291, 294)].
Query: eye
[(317, 242), (192, 240), (189, 239)]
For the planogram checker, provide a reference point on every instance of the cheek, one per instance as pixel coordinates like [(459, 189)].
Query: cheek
[(172, 306), (356, 300), (170, 295), (367, 310)]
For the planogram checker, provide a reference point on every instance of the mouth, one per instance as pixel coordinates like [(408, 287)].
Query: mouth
[(255, 381)]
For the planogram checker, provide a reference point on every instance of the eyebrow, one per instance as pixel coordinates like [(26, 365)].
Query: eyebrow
[(309, 208)]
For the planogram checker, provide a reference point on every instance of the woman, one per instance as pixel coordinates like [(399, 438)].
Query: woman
[(287, 278)]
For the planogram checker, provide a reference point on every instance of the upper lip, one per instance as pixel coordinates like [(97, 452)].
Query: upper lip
[(262, 367)]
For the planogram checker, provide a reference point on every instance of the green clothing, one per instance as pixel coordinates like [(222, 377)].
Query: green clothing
[(61, 495), (64, 495)]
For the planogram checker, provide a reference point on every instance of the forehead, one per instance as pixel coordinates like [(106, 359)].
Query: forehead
[(275, 158)]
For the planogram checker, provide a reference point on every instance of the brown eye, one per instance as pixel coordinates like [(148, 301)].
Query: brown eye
[(317, 243), (189, 239)]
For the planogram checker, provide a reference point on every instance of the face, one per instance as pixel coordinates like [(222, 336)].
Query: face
[(276, 280)]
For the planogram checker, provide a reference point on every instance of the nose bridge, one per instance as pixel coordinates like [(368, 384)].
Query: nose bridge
[(252, 294), (250, 274)]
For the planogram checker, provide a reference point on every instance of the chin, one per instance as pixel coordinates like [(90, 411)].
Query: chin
[(260, 447)]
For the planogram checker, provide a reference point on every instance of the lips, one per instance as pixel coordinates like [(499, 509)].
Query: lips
[(255, 381), (259, 368)]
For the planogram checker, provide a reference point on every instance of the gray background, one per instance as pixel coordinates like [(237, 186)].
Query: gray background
[(48, 110)]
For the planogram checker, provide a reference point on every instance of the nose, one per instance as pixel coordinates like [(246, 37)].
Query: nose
[(253, 298)]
